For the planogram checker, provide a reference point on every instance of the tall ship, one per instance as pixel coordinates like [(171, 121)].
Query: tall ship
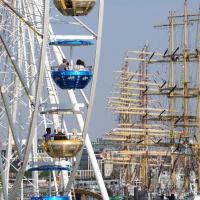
[(154, 148)]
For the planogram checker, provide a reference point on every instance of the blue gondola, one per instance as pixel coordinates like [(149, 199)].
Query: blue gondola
[(72, 79), (49, 168), (64, 42)]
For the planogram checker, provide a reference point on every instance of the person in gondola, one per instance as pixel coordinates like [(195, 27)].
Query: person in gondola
[(80, 64), (70, 5), (60, 135), (66, 137), (74, 134), (64, 65), (47, 136), (57, 134)]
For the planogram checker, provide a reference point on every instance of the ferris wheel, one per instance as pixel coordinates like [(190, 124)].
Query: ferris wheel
[(42, 90)]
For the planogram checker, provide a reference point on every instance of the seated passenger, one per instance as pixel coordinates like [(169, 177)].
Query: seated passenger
[(80, 64), (70, 5), (47, 136), (64, 65), (59, 131), (75, 134), (59, 135), (66, 136), (56, 135)]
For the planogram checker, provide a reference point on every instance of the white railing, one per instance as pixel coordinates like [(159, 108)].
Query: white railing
[(85, 174)]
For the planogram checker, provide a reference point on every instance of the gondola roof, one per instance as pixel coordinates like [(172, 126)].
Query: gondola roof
[(49, 168), (72, 40)]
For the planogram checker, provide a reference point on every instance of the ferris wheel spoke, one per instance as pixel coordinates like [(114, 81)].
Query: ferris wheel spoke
[(85, 98), (85, 26)]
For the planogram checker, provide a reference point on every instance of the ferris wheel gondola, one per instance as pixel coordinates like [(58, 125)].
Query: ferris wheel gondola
[(63, 148), (50, 168), (72, 79), (74, 7), (51, 198)]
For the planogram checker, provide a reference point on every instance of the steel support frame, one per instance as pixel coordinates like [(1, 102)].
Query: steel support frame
[(16, 68), (32, 71), (38, 93), (12, 120)]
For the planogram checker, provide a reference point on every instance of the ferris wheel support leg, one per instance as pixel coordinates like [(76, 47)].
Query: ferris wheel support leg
[(96, 168), (91, 102), (38, 93)]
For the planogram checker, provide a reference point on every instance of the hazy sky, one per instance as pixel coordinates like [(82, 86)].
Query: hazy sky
[(127, 25)]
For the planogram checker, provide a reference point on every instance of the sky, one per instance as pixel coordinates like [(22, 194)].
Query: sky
[(128, 25)]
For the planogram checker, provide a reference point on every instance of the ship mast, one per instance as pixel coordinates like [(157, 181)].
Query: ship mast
[(172, 100), (125, 118), (185, 86), (143, 71)]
